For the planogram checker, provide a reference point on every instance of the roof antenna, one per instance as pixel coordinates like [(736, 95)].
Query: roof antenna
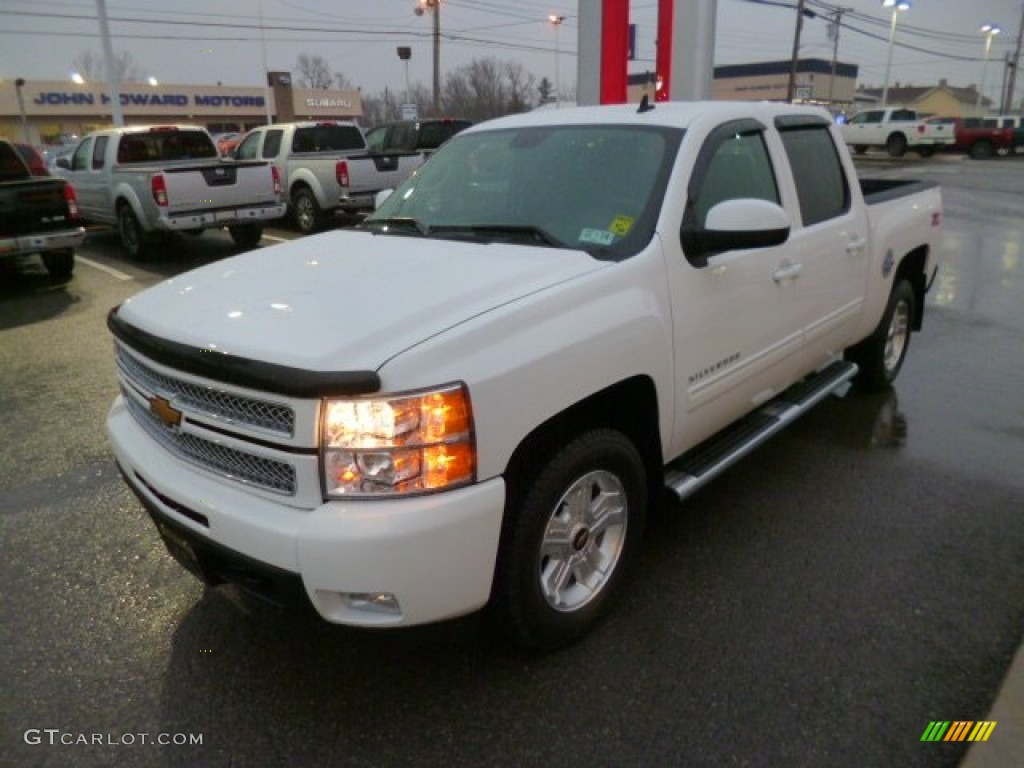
[(645, 105)]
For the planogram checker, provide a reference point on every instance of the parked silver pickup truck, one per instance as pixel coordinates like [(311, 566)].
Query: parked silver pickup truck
[(148, 181), (326, 168)]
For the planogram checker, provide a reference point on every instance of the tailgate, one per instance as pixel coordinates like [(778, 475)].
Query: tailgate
[(218, 185), (34, 207)]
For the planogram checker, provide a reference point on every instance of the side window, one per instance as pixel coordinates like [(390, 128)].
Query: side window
[(739, 168), (821, 184), (99, 154), (904, 114), (272, 144), (375, 138), (430, 136), (80, 160), (873, 117), (249, 147)]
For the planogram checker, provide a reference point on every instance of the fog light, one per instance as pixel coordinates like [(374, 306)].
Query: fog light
[(372, 602)]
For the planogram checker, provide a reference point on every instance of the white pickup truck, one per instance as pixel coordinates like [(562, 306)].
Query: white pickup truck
[(151, 180), (326, 168), (475, 396), (895, 129)]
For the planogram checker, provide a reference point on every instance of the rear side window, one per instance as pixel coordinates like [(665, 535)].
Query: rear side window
[(272, 144), (821, 183), (904, 114), (327, 137)]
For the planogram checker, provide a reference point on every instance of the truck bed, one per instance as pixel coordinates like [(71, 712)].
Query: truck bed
[(881, 190)]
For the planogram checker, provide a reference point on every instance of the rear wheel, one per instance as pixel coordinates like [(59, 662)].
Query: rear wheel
[(305, 211), (896, 145), (60, 264), (246, 235), (880, 356), (136, 242), (571, 529), (859, 149), (983, 149)]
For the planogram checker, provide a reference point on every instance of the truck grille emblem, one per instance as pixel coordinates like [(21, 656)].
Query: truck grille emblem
[(164, 411)]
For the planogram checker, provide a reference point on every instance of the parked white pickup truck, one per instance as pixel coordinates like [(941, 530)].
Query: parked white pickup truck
[(895, 129), (151, 180), (474, 397), (326, 168)]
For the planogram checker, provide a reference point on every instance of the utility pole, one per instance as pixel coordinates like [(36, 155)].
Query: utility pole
[(1008, 98), (833, 30), (422, 7), (791, 86), (113, 82)]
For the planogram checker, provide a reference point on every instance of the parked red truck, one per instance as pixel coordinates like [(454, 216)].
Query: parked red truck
[(980, 137)]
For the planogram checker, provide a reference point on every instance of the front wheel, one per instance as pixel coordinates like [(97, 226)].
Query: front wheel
[(59, 264), (880, 356), (896, 145), (246, 235), (981, 150), (570, 531)]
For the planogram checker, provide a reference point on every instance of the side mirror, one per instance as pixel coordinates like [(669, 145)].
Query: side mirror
[(381, 196), (64, 162), (735, 225)]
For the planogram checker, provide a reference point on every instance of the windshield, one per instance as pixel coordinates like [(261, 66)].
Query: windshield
[(592, 188)]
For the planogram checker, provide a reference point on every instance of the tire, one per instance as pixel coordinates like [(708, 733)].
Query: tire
[(859, 149), (306, 212), (137, 243), (896, 145), (981, 150), (880, 356), (60, 264), (560, 563), (925, 151), (246, 235)]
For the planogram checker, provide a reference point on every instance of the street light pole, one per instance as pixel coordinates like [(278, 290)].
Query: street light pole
[(897, 6), (556, 21), (435, 6), (19, 84), (990, 31)]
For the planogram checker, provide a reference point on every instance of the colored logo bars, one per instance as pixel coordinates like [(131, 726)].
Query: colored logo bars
[(958, 730)]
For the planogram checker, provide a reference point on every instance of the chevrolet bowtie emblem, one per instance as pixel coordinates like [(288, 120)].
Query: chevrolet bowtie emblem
[(164, 411)]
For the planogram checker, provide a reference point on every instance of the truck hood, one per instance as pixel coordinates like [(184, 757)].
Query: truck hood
[(344, 300)]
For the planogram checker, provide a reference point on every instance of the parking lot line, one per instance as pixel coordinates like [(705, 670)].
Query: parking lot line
[(103, 268)]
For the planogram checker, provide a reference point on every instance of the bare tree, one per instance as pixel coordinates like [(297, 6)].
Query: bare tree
[(487, 88), (546, 90), (92, 67), (342, 83), (314, 72)]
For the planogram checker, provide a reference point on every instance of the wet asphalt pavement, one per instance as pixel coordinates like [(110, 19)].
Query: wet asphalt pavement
[(856, 578)]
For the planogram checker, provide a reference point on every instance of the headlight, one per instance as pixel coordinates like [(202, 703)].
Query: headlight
[(412, 442)]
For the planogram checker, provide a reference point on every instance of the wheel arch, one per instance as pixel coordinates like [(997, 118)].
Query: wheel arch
[(912, 269), (629, 406)]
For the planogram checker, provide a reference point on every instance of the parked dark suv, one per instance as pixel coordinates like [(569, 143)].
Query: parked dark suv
[(413, 136)]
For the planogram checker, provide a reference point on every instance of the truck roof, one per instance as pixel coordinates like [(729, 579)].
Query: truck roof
[(674, 114)]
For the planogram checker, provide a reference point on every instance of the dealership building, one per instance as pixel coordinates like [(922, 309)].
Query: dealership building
[(56, 112)]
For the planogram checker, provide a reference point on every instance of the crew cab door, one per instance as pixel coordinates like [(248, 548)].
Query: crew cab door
[(828, 245), (90, 177), (865, 128), (736, 322)]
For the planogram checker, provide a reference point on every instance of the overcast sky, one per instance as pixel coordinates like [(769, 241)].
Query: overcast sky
[(210, 41)]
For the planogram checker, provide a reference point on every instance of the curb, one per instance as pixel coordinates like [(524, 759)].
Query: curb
[(1006, 745)]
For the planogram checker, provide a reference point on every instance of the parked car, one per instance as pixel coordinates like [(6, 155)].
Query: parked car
[(413, 136), (32, 158), (37, 216), (477, 395), (226, 142), (979, 137), (151, 180), (325, 168)]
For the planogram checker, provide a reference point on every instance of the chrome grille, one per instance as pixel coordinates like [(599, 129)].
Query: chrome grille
[(258, 471), (225, 406)]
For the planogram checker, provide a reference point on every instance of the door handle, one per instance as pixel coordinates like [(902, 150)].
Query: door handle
[(787, 271), (856, 246)]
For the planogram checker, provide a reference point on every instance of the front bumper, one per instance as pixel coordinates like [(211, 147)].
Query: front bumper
[(434, 554), (41, 243), (220, 218)]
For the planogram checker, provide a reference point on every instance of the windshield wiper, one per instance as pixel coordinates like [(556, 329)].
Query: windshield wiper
[(403, 223), (527, 231)]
